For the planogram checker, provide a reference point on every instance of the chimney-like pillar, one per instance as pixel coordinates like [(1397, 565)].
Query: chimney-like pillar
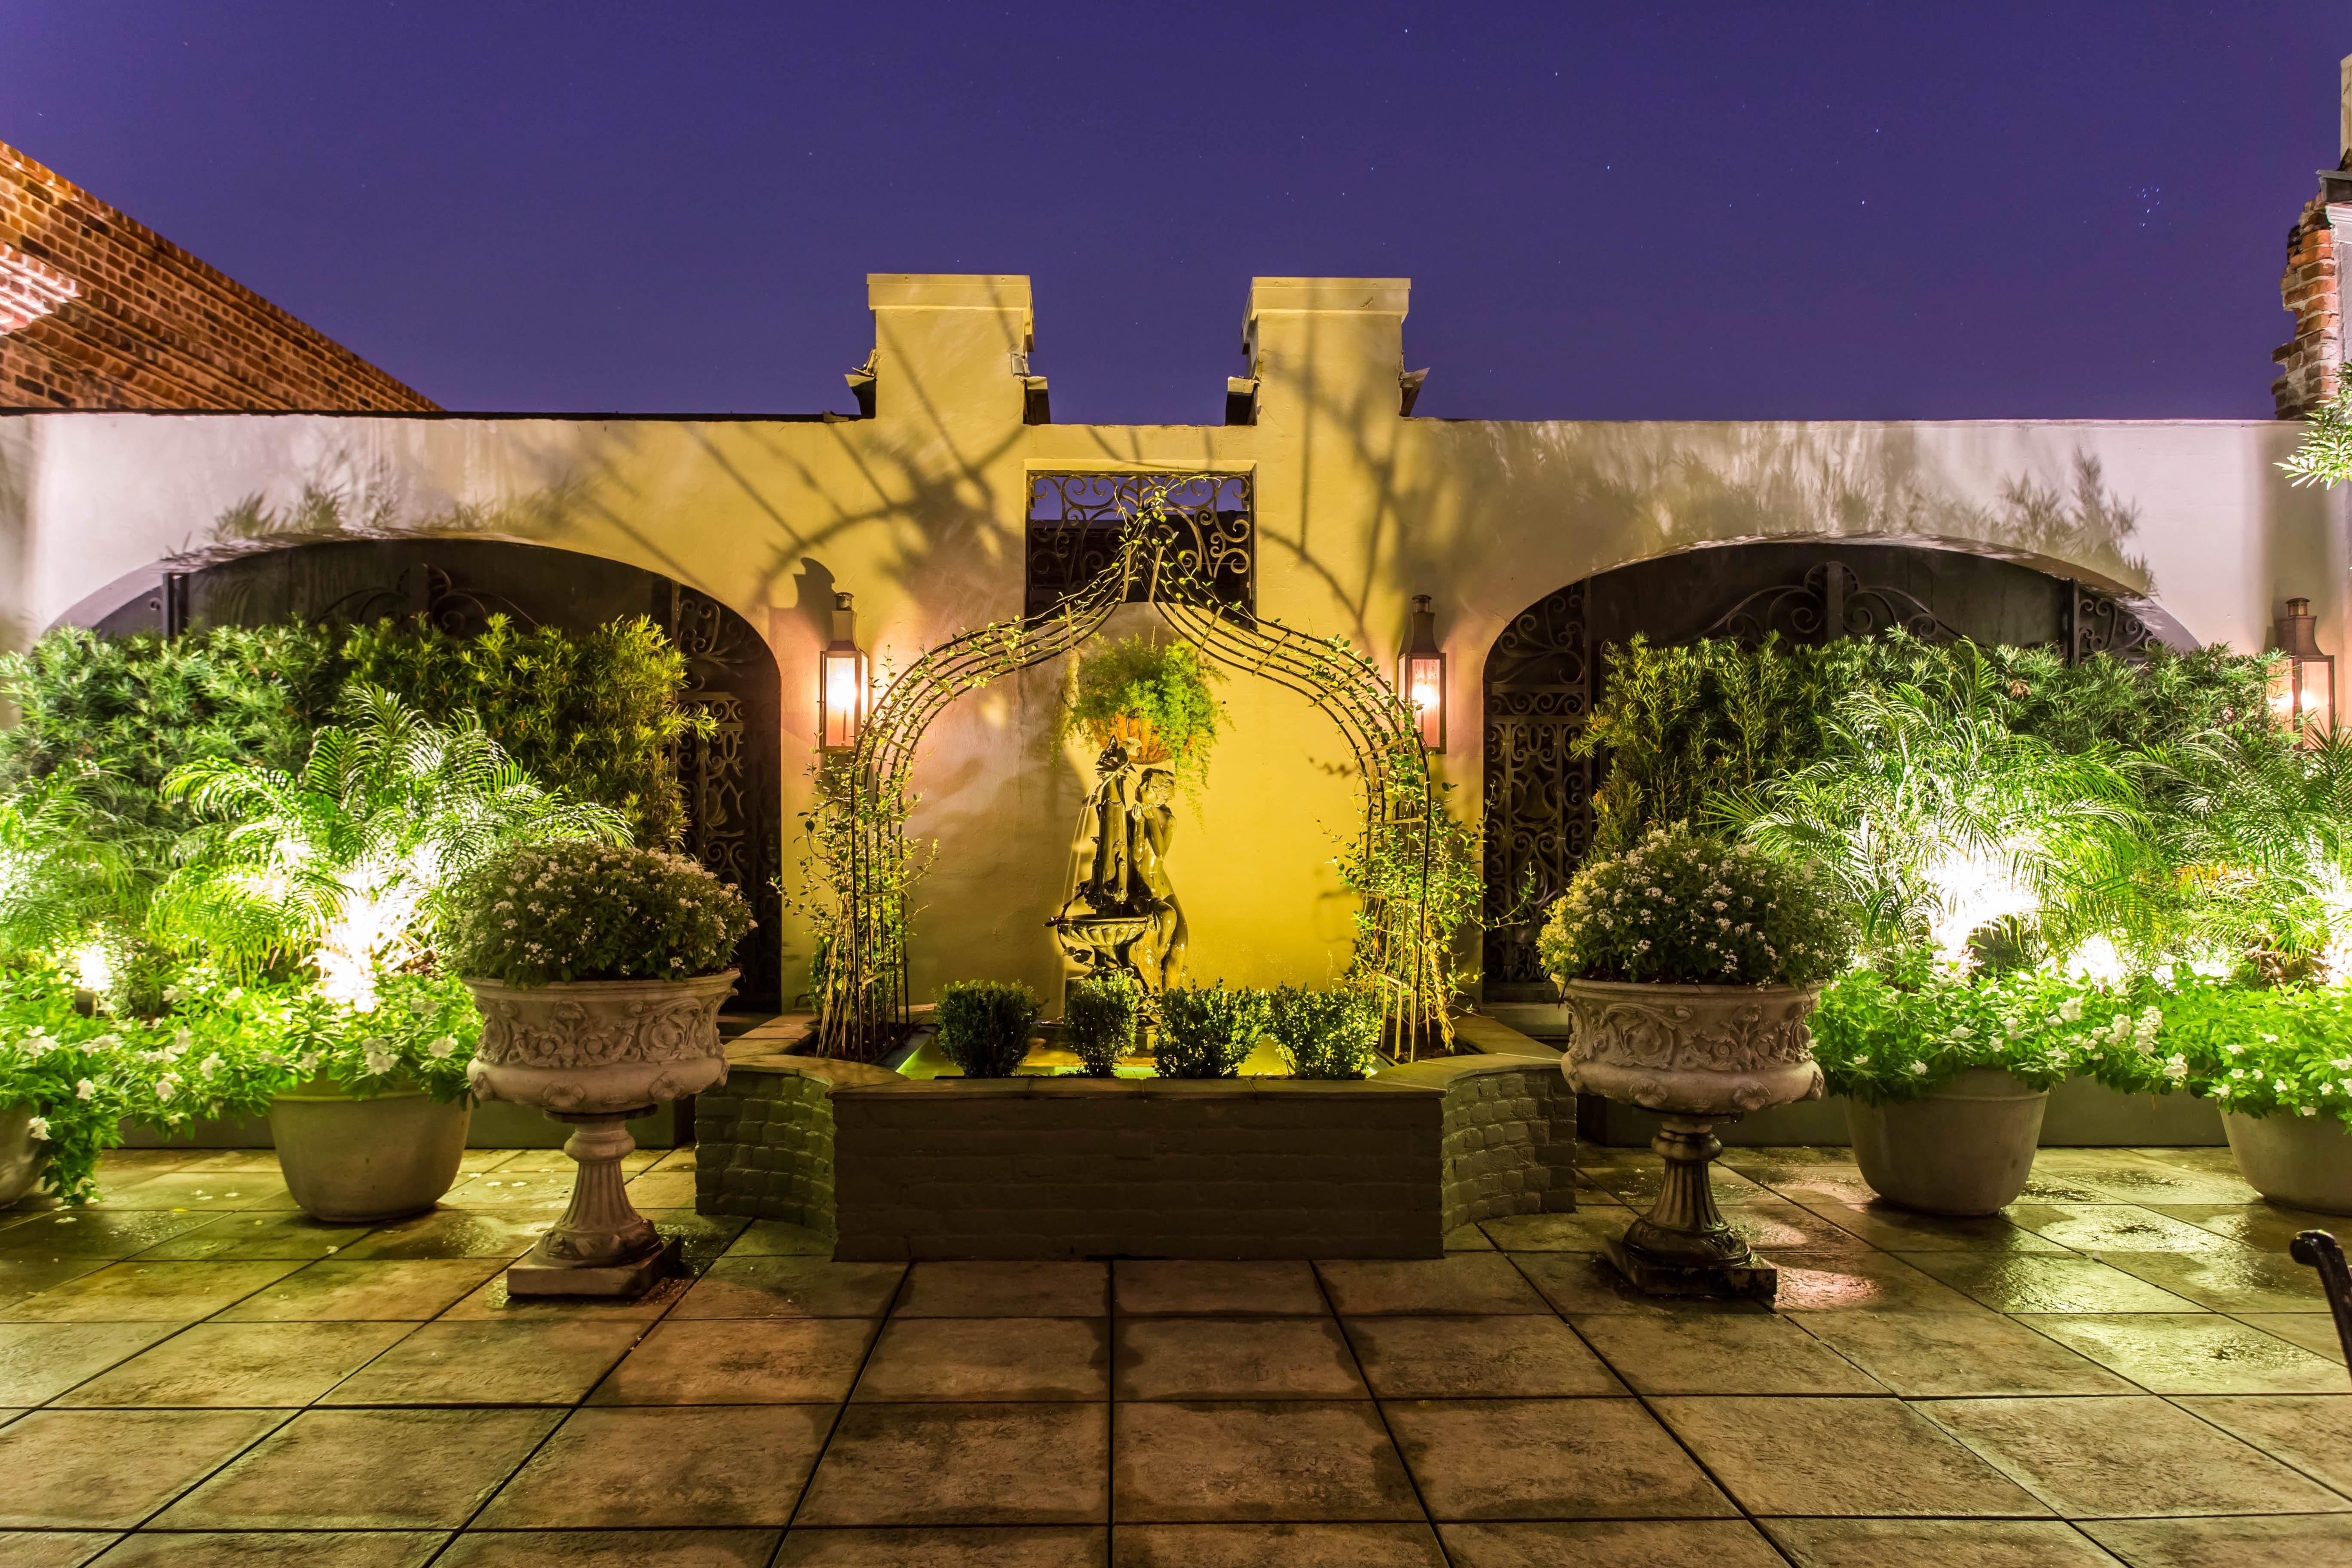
[(951, 353), (2318, 250)]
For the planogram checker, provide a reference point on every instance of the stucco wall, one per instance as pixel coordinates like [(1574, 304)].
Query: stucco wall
[(918, 509)]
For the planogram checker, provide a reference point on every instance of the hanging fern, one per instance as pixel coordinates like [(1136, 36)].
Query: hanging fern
[(1151, 699)]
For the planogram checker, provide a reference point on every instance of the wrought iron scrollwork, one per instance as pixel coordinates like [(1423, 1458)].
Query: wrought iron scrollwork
[(1539, 793), (2098, 623), (431, 593), (1829, 603), (1076, 521), (723, 824)]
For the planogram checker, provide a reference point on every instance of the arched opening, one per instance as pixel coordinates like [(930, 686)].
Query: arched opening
[(1546, 669), (732, 777)]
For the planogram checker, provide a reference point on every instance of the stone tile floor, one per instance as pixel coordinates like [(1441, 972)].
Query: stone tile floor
[(2124, 1368)]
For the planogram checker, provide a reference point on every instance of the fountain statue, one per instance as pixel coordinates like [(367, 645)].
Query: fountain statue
[(1122, 913)]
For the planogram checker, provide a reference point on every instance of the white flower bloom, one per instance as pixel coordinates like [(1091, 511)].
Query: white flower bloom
[(39, 1128), (85, 1090), (442, 1048), (166, 1086), (210, 1064), (378, 1056)]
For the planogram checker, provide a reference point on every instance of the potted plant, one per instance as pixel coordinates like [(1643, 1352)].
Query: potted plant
[(1102, 1019), (985, 1026), (66, 1080), (1207, 1031), (1947, 1076), (329, 880), (1688, 965), (600, 972), (2278, 1062)]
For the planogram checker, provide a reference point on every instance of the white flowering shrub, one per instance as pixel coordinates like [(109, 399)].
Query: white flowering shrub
[(1884, 1041), (573, 910), (227, 1046), (2286, 1051), (1693, 908), (78, 1077)]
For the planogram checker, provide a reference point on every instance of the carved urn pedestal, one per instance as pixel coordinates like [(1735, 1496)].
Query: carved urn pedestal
[(1699, 1056), (596, 1053)]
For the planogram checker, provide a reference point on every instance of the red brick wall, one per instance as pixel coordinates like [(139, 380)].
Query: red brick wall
[(98, 311), (2312, 292)]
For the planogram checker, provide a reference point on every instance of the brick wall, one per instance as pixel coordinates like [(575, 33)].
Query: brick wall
[(2311, 290), (1069, 1167), (98, 311)]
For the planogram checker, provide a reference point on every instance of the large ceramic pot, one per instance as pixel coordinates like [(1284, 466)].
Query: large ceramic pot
[(1964, 1150), (1698, 1056), (380, 1158), (2303, 1162), (21, 1160), (593, 1054)]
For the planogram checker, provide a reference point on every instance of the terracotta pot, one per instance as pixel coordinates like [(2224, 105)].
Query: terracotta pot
[(2303, 1162), (592, 1047), (594, 1053), (352, 1160), (21, 1161), (1692, 1050), (1965, 1150)]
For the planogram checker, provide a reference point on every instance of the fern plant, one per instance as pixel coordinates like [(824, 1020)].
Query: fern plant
[(339, 865), (1935, 819), (2325, 456), (1154, 701)]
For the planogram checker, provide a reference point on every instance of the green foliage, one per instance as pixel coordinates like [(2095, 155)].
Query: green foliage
[(1417, 874), (545, 911), (2282, 1051), (1884, 1043), (2325, 458), (1154, 700), (985, 1026), (79, 1076), (1102, 1016), (1331, 1034), (1207, 1031), (1679, 725), (343, 865), (1934, 818), (233, 1045), (1686, 908), (855, 856), (596, 714)]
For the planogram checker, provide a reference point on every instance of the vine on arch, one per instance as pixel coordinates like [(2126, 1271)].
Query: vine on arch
[(859, 853)]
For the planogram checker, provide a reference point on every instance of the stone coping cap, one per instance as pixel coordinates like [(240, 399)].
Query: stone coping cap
[(1004, 291)]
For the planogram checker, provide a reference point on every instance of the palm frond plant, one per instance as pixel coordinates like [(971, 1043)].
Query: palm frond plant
[(1938, 821), (339, 865), (71, 885)]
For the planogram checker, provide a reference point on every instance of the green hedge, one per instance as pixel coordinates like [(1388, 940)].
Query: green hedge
[(596, 712), (1678, 724)]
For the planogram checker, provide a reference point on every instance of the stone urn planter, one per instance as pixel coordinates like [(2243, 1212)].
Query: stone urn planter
[(1965, 1150), (593, 1054), (1698, 1056), (348, 1160), (21, 1161), (2303, 1162)]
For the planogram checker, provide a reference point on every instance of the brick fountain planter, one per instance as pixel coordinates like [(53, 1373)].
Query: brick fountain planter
[(1068, 1167)]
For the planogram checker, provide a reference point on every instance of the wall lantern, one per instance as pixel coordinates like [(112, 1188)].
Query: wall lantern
[(2302, 689), (841, 683), (1420, 675)]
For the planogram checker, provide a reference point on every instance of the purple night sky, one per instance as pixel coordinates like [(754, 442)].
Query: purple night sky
[(1898, 210)]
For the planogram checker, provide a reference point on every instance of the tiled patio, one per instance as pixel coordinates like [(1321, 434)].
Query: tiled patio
[(2127, 1368)]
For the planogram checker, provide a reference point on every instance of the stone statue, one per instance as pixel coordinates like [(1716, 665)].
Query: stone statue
[(1122, 911)]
